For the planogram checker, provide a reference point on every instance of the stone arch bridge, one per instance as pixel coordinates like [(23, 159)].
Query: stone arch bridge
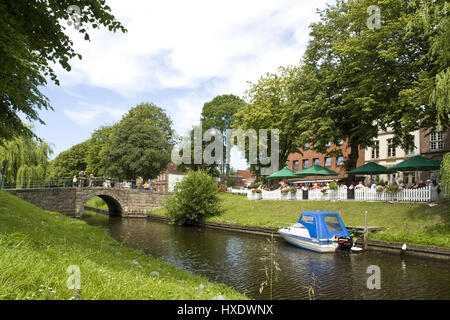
[(71, 201)]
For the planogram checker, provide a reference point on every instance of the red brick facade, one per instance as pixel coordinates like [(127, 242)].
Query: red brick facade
[(296, 161)]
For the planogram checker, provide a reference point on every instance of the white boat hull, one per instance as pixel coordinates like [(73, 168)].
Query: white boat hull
[(310, 245)]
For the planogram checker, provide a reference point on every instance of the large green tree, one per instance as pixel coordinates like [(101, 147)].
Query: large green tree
[(271, 106), (32, 39), (141, 144), (70, 162), (363, 80), (432, 89), (219, 114), (96, 150)]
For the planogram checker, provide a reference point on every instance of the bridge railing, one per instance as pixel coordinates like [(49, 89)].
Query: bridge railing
[(70, 183)]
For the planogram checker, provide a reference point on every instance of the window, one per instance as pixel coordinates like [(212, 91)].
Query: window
[(340, 142), (434, 175), (296, 165), (410, 151), (307, 145), (316, 161), (327, 162), (391, 148), (340, 161), (305, 164), (332, 223), (437, 141), (307, 219), (376, 150)]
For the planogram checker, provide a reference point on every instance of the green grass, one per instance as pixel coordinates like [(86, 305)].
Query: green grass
[(37, 247), (97, 202), (404, 222)]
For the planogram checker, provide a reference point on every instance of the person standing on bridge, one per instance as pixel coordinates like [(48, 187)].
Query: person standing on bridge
[(91, 180), (74, 181), (81, 175)]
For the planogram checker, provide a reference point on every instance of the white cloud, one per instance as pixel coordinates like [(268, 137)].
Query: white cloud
[(86, 114), (185, 43)]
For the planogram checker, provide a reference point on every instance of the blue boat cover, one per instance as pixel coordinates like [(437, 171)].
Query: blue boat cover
[(323, 224)]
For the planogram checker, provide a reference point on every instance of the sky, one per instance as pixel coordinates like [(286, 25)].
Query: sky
[(176, 54)]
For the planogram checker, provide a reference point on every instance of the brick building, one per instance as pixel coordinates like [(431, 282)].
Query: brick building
[(387, 154), (434, 146), (247, 177), (166, 180), (429, 145), (298, 162)]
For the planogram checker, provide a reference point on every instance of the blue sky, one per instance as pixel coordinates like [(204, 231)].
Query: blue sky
[(176, 54)]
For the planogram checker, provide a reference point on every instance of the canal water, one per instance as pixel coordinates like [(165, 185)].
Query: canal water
[(235, 259)]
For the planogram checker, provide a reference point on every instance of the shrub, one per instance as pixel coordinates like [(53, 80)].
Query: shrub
[(221, 188), (333, 186), (285, 191), (380, 189), (392, 188), (293, 190), (256, 191), (195, 199)]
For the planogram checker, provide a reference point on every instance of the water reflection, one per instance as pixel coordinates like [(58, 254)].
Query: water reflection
[(234, 259)]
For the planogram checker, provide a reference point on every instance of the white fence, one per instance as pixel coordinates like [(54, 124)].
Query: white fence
[(426, 194), (315, 194)]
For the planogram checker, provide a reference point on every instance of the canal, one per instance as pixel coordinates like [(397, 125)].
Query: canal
[(235, 259)]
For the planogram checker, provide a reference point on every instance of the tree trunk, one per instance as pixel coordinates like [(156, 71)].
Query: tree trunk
[(352, 160)]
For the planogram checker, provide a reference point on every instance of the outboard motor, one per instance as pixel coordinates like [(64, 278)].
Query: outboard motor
[(344, 242)]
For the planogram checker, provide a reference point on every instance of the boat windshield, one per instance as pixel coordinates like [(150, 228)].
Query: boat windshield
[(297, 225), (333, 223)]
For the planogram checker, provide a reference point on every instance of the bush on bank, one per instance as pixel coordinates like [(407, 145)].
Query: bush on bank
[(195, 199)]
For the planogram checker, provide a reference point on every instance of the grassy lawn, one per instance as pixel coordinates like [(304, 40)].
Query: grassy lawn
[(37, 247), (97, 202), (404, 222)]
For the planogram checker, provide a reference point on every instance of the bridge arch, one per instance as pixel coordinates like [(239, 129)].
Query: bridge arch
[(112, 199)]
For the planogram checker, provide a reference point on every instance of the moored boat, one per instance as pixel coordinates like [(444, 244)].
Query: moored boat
[(320, 231)]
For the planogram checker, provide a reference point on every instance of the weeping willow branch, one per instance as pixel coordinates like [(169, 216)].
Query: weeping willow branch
[(445, 174), (27, 160)]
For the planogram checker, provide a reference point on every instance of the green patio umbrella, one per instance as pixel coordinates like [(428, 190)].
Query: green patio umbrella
[(282, 174), (369, 168), (315, 171), (417, 163)]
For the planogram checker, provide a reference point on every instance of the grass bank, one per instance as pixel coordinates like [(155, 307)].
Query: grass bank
[(37, 247), (412, 223)]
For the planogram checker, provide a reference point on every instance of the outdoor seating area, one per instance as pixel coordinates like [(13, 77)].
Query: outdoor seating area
[(374, 191)]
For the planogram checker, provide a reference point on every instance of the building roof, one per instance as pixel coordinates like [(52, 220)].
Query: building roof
[(245, 174)]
